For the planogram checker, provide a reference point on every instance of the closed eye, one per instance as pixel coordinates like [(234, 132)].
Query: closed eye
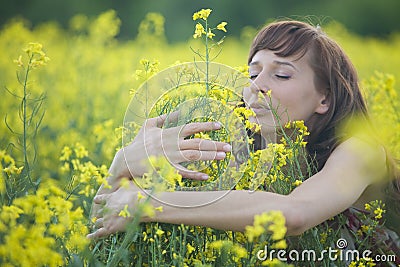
[(252, 77), (283, 77)]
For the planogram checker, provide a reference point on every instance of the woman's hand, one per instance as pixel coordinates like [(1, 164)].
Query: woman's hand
[(108, 217), (152, 140)]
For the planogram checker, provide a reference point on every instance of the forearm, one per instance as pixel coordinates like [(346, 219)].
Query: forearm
[(225, 210)]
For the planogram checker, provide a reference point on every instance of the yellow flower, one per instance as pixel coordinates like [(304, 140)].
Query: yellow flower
[(252, 232), (205, 13), (138, 74), (221, 26), (148, 210), (365, 228), (199, 31), (202, 14), (80, 151), (160, 209), (297, 182), (323, 237), (159, 232), (65, 167), (261, 219), (273, 220), (19, 61), (104, 182), (278, 231), (9, 214), (240, 252), (36, 55), (125, 212), (216, 244), (196, 16), (139, 196), (281, 244), (57, 229), (33, 48), (210, 34), (378, 213), (189, 248)]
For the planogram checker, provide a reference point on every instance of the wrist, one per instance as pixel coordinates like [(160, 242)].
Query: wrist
[(154, 210)]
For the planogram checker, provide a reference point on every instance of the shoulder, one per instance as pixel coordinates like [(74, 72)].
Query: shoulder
[(360, 157)]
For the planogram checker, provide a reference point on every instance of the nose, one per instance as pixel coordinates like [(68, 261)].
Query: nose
[(259, 85)]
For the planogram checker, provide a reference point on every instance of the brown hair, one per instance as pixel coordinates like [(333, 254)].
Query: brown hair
[(335, 76)]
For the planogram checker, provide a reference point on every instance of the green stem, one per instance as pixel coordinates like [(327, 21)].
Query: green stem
[(24, 118), (207, 60)]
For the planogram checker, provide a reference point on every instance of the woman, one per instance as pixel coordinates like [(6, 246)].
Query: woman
[(307, 77)]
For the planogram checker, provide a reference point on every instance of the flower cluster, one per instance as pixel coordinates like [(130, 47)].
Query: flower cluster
[(7, 169), (33, 228), (274, 222), (149, 68), (201, 29), (35, 54), (85, 175)]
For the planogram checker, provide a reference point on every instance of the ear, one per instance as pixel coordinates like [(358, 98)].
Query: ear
[(323, 105)]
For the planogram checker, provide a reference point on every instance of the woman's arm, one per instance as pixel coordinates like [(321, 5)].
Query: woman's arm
[(350, 169)]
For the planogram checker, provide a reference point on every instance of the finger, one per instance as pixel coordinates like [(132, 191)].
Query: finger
[(160, 120), (96, 211), (194, 175), (99, 223), (169, 120), (102, 232), (100, 199), (153, 122), (197, 127), (189, 174), (203, 144), (196, 155)]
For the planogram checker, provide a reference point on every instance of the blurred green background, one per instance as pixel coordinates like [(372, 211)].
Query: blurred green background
[(364, 17)]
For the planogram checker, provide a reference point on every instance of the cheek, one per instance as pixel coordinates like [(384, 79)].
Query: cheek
[(293, 106)]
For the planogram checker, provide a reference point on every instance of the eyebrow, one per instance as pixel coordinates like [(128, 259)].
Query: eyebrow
[(277, 62)]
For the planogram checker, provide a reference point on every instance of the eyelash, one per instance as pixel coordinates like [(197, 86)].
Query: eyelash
[(282, 77)]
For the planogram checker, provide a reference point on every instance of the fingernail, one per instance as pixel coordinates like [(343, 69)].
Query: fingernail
[(204, 177), (227, 148), (217, 125), (220, 155)]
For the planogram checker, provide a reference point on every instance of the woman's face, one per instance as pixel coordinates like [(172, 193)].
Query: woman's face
[(293, 94)]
